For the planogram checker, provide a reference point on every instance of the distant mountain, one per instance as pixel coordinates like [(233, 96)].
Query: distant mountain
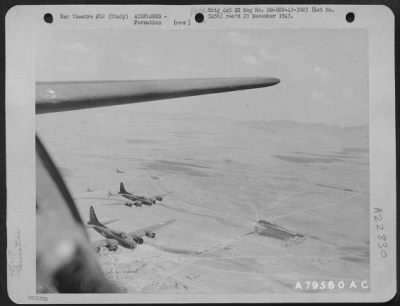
[(286, 124), (300, 136)]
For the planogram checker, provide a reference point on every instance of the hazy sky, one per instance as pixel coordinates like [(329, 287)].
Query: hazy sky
[(324, 73)]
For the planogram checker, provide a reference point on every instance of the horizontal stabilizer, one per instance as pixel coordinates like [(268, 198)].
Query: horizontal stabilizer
[(65, 96), (110, 221)]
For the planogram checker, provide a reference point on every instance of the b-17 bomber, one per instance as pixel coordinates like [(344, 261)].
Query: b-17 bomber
[(115, 238), (130, 199)]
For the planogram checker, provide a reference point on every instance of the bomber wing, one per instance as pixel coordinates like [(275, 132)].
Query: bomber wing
[(162, 194), (111, 244), (111, 198), (65, 96), (142, 232)]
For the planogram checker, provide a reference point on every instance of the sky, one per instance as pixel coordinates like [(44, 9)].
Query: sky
[(323, 73)]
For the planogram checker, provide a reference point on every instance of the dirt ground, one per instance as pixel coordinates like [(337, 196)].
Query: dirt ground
[(224, 175)]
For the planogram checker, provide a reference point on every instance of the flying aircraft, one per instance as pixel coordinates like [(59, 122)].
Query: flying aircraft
[(139, 200), (128, 199), (62, 242), (131, 200), (115, 238)]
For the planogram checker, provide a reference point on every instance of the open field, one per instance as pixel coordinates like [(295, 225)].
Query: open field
[(225, 174)]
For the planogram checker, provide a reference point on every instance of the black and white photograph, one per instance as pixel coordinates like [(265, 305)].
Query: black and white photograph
[(246, 191)]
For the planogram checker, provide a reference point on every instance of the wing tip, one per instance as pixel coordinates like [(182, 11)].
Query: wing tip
[(269, 81)]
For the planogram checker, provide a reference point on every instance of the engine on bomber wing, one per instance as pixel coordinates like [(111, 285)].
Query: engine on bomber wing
[(150, 234), (137, 239), (120, 234), (112, 245), (129, 204), (159, 198), (148, 202)]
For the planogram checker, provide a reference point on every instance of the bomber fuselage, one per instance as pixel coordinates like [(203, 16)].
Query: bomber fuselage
[(122, 239), (143, 200)]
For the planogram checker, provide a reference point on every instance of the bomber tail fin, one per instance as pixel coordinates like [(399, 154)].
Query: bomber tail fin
[(122, 189), (93, 218)]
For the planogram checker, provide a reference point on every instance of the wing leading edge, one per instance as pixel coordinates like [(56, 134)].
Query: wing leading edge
[(66, 96), (142, 232)]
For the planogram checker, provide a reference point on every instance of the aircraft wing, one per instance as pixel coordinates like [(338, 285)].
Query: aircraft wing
[(65, 96), (142, 232), (162, 194), (110, 198)]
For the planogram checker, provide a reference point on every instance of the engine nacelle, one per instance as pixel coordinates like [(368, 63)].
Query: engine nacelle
[(159, 198), (137, 239), (129, 204), (147, 202), (150, 234), (112, 248), (112, 245), (138, 204)]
